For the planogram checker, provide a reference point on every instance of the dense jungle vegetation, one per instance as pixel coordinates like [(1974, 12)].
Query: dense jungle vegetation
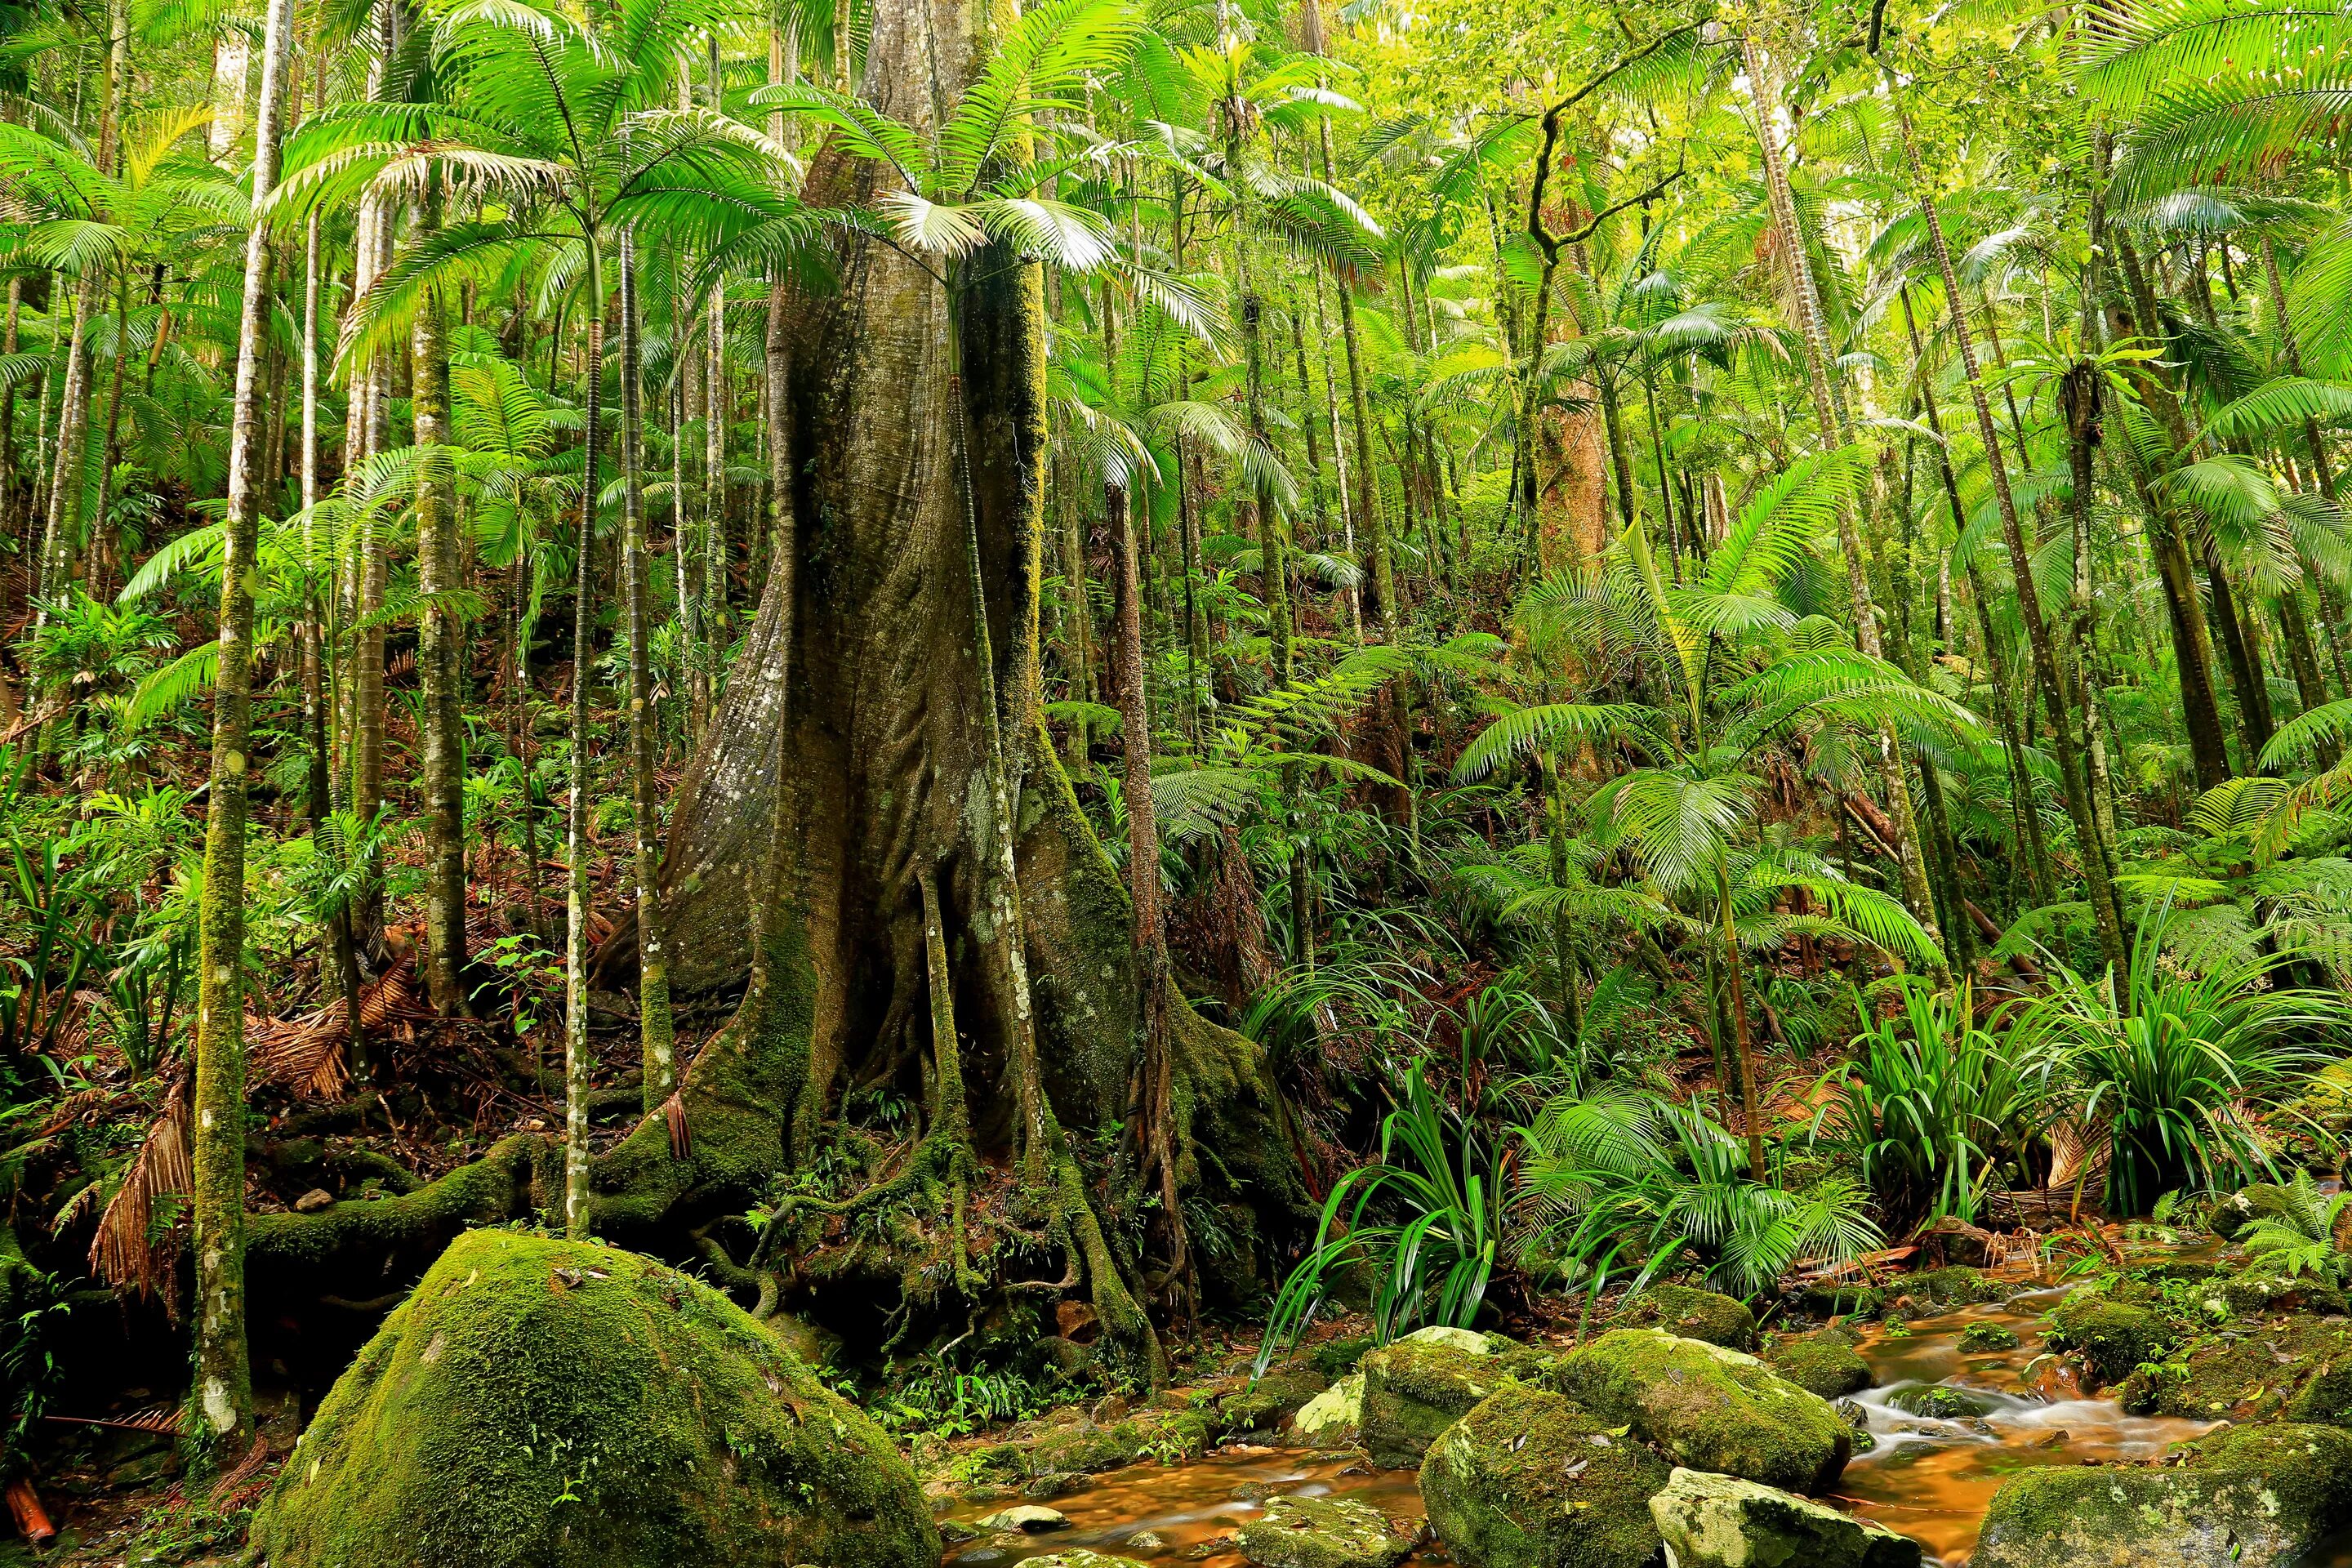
[(1042, 687)]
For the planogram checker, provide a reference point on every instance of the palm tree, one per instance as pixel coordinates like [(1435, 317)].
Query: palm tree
[(1735, 673)]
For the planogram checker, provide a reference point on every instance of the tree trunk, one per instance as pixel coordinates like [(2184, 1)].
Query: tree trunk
[(577, 1062), (658, 1033), (223, 1376), (440, 651), (893, 668)]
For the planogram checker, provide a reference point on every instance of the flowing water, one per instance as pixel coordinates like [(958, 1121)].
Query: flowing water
[(1930, 1477)]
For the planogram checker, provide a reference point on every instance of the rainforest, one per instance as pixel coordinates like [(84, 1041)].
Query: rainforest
[(1102, 783)]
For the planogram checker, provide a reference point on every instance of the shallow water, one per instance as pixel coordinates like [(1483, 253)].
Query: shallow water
[(1932, 1479), (1193, 1508), (1928, 1479)]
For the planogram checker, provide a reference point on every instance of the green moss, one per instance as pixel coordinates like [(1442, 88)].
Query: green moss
[(1693, 1315), (1323, 1533), (1826, 1364), (1416, 1388), (2110, 1337), (1940, 1402), (2252, 1496), (1709, 1408), (1953, 1287), (1841, 1300), (2248, 1376), (1164, 1435), (553, 1405), (2261, 1200), (1720, 1521), (1527, 1480), (1270, 1401), (1337, 1358), (1987, 1337)]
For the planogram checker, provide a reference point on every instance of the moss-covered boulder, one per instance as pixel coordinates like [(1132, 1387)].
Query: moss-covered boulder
[(1982, 1339), (1951, 1287), (2262, 1200), (2300, 1368), (1692, 1315), (1077, 1446), (1527, 1480), (542, 1403), (1269, 1402), (1419, 1387), (2110, 1338), (1709, 1408), (1721, 1522), (1942, 1402), (2253, 1496), (1324, 1532), (1826, 1299), (1334, 1416), (2258, 1292), (1824, 1362)]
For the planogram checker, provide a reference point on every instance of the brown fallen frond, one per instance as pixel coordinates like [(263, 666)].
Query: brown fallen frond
[(125, 1252)]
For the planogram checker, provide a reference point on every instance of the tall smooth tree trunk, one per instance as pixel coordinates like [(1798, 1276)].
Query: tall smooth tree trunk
[(658, 1032), (224, 1372), (440, 651), (318, 676), (577, 1061)]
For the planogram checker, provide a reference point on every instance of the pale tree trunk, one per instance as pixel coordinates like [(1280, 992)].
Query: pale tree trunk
[(318, 676), (657, 1032), (2105, 913), (68, 489), (577, 1061), (440, 652), (1829, 411), (371, 412), (223, 1377), (695, 652), (232, 56)]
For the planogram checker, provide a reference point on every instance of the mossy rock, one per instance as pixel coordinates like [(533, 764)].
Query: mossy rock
[(2261, 1200), (1419, 1387), (2259, 1292), (1335, 1359), (1692, 1315), (1827, 1301), (1709, 1408), (556, 1405), (1981, 1339), (1088, 1448), (1825, 1363), (1721, 1522), (2254, 1497), (1324, 1532), (1527, 1480), (2111, 1338), (1952, 1287), (1333, 1416), (1941, 1402), (1272, 1399), (2251, 1376)]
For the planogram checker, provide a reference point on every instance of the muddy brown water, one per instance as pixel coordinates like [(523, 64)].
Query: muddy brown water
[(1928, 1479)]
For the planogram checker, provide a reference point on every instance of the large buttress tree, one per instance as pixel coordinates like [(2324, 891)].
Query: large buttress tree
[(874, 805)]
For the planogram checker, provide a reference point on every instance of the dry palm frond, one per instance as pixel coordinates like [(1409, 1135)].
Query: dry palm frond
[(673, 1113), (306, 1054), (125, 1252)]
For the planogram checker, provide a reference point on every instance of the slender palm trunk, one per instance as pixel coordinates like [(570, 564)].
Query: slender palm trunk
[(657, 1032), (440, 652), (577, 1062), (318, 677), (224, 1375)]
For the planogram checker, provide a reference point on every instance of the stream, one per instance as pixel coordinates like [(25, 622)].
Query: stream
[(1930, 1477)]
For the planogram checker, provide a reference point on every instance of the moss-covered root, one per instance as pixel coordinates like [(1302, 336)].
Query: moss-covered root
[(539, 1404)]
